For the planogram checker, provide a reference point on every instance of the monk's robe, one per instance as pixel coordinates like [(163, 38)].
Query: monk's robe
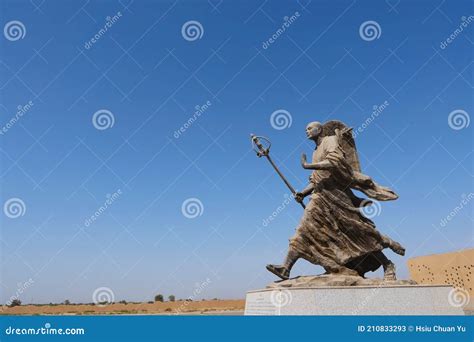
[(333, 232)]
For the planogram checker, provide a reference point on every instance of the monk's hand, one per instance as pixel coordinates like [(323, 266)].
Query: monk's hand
[(299, 197), (304, 163)]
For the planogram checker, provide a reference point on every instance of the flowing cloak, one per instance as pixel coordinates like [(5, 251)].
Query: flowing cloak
[(333, 232)]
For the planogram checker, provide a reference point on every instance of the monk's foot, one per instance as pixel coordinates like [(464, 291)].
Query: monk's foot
[(389, 272), (397, 248), (279, 271)]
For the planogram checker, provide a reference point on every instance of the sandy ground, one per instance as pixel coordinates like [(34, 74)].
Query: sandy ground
[(219, 307), (207, 307)]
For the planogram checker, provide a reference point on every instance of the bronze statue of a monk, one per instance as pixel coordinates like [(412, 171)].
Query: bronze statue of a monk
[(333, 232)]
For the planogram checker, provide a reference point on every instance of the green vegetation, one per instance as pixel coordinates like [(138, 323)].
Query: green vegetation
[(15, 302)]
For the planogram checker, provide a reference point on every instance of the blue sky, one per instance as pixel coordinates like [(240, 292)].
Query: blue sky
[(150, 78)]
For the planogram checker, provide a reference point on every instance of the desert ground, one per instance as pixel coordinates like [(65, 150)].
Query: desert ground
[(206, 307)]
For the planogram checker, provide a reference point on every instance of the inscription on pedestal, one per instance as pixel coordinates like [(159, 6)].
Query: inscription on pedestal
[(260, 304), (353, 300)]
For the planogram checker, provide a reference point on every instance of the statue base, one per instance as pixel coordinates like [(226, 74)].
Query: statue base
[(383, 299), (336, 280)]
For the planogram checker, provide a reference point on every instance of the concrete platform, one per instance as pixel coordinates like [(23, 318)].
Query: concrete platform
[(353, 300)]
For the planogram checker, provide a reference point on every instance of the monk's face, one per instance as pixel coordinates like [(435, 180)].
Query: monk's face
[(313, 130)]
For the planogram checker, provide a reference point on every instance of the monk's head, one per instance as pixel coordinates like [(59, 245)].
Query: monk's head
[(313, 130)]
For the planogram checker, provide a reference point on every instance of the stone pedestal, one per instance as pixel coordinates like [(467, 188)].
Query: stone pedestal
[(353, 300)]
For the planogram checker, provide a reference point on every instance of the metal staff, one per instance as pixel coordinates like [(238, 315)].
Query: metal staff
[(265, 152)]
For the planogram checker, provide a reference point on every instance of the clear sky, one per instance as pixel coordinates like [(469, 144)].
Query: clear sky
[(239, 66)]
